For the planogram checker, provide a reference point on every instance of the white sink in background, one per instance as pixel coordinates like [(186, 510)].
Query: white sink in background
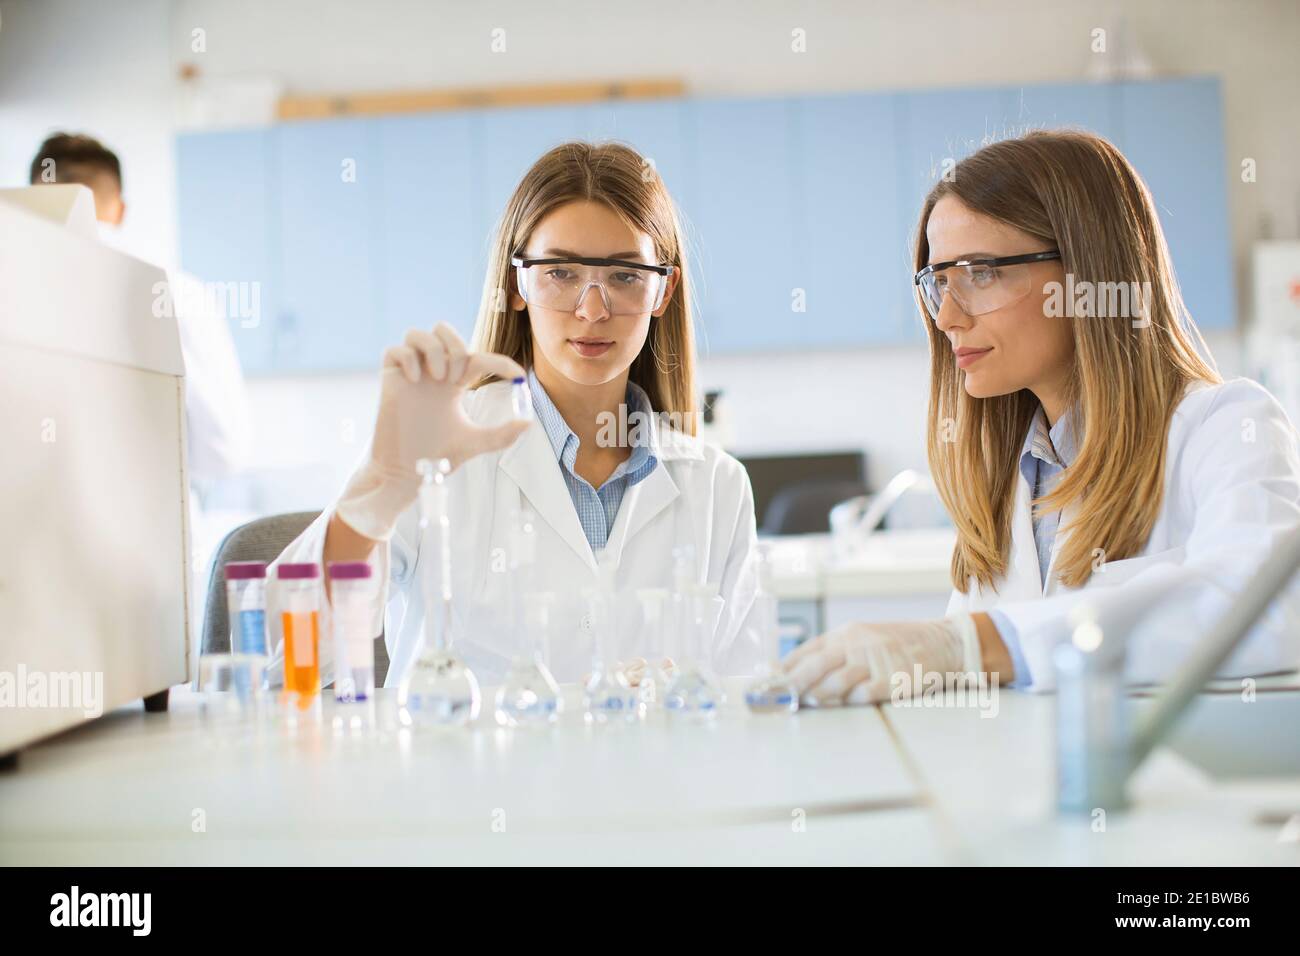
[(1227, 736)]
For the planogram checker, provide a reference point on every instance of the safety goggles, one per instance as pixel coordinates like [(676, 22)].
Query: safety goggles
[(978, 285), (627, 288)]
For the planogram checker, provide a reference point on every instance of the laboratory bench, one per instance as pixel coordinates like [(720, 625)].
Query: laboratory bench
[(854, 785)]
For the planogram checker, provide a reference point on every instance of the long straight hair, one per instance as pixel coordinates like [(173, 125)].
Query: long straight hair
[(1078, 192), (618, 177)]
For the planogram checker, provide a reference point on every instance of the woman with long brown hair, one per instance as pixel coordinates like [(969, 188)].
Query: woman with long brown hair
[(586, 300), (1086, 449)]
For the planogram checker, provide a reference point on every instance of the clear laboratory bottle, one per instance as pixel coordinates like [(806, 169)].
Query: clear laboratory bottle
[(606, 695), (772, 692), (652, 647), (530, 696), (1093, 744), (694, 690), (440, 690)]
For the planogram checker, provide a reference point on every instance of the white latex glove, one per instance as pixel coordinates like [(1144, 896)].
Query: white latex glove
[(855, 664), (634, 670), (420, 416)]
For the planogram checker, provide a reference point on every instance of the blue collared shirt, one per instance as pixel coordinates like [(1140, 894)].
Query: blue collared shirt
[(1045, 454), (597, 507)]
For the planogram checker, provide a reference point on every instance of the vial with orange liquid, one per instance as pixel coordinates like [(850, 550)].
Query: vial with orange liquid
[(300, 605)]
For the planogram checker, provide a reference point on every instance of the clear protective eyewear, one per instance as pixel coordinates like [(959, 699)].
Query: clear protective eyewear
[(978, 285), (627, 288)]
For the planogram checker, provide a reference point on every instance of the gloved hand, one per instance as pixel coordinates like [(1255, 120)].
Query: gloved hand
[(855, 664), (420, 416), (634, 670)]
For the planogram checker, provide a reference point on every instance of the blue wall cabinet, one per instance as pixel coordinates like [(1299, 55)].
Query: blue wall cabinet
[(654, 128), (330, 314), (1172, 132), (935, 130), (514, 139), (799, 212), (939, 128), (853, 256), (227, 209), (743, 195), (1090, 106), (430, 239)]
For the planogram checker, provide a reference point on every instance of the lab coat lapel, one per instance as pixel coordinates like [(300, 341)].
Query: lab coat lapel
[(646, 499), (530, 463), (640, 504), (1062, 532), (1023, 579)]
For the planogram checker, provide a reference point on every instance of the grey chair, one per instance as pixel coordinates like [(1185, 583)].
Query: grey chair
[(260, 540)]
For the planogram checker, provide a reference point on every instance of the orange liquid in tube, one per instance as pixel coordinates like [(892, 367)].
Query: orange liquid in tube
[(300, 602), (301, 654)]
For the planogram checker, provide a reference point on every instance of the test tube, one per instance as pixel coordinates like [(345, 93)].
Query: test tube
[(354, 646), (521, 400), (246, 606), (300, 621), (246, 615)]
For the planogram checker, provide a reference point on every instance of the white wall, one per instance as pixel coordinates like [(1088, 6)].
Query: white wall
[(61, 73), (98, 68)]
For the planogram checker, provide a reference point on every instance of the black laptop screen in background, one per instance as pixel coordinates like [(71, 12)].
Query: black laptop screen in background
[(793, 494)]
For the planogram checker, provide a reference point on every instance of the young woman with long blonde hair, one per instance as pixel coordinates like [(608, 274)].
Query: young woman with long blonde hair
[(587, 299), (1087, 450)]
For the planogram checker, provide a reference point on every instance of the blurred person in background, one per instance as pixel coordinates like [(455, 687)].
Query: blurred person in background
[(218, 422)]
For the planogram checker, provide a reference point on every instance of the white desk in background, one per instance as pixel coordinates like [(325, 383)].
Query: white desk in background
[(892, 785), (895, 575)]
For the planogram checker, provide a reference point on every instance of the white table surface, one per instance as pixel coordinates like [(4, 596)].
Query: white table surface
[(992, 785), (845, 785), (742, 788)]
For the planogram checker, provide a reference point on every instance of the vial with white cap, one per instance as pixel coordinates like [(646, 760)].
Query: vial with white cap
[(521, 399), (351, 598)]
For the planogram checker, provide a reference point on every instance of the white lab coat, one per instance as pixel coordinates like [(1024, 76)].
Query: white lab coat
[(698, 495), (218, 423), (1232, 489)]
